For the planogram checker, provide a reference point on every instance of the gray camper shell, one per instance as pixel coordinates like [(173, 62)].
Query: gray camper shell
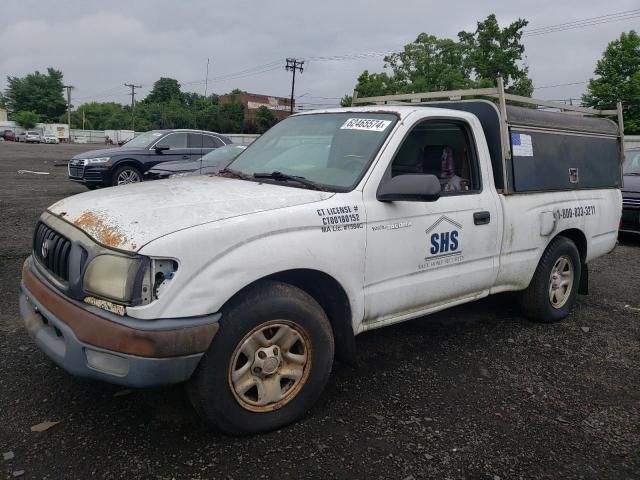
[(534, 150)]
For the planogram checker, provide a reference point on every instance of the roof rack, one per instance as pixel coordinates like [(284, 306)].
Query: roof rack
[(497, 93)]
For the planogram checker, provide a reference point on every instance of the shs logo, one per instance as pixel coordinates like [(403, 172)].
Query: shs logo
[(444, 242), (444, 237)]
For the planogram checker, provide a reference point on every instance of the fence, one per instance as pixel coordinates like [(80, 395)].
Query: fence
[(632, 141), (97, 136)]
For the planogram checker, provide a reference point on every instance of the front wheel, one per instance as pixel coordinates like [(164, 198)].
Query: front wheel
[(268, 363), (125, 175), (552, 292)]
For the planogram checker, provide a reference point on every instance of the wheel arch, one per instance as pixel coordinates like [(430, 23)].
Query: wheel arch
[(124, 163), (330, 295), (578, 237), (128, 161)]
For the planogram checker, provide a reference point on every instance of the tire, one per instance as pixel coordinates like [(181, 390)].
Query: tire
[(547, 299), (126, 171), (276, 309)]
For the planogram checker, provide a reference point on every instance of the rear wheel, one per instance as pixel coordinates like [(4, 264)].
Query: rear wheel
[(125, 175), (552, 292), (268, 363)]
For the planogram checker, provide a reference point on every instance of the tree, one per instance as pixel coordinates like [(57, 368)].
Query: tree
[(373, 84), (37, 92), (164, 90), (265, 119), (477, 59), (100, 116), (346, 101), (429, 64), (492, 52), (618, 79), (26, 119)]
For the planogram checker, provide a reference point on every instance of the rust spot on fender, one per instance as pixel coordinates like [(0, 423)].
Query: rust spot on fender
[(99, 227)]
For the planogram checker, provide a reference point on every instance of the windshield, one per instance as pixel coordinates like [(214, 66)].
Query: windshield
[(331, 149), (228, 152), (631, 165), (143, 140)]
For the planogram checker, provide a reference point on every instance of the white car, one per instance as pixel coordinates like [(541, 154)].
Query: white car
[(50, 139), (30, 136), (332, 223)]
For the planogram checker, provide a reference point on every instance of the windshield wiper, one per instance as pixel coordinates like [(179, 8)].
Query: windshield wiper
[(279, 176), (230, 173)]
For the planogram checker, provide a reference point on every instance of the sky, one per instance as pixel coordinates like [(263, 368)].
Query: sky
[(99, 46)]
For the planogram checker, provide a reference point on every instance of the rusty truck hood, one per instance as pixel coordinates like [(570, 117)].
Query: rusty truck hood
[(130, 216)]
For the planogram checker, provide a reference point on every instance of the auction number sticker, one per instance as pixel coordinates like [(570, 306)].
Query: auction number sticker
[(575, 212), (370, 124)]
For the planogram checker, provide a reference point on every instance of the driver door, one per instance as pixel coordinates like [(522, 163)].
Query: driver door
[(177, 143), (423, 254)]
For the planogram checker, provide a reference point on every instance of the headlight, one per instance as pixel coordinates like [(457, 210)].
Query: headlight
[(112, 276), (98, 160), (128, 280)]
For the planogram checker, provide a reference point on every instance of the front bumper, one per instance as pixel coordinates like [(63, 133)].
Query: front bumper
[(630, 220), (90, 343), (91, 175)]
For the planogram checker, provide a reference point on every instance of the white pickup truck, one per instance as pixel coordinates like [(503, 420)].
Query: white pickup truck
[(332, 223)]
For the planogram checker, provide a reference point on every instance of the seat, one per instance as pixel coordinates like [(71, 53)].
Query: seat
[(432, 159)]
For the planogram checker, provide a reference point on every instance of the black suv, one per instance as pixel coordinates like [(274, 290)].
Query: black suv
[(631, 192), (127, 164)]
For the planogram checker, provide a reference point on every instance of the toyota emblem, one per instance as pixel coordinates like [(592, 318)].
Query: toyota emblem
[(45, 249)]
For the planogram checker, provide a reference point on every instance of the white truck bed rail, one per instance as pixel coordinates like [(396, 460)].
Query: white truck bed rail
[(497, 93)]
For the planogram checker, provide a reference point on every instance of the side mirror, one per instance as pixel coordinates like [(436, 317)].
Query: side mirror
[(410, 188), (162, 147)]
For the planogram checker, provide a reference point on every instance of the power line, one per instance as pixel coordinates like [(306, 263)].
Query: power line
[(561, 85), (267, 67), (580, 21), (585, 22)]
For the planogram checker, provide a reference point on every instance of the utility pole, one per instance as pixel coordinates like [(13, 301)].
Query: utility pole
[(206, 80), (293, 64), (133, 102), (69, 87)]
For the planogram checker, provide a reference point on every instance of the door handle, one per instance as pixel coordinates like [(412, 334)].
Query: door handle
[(185, 157), (481, 218)]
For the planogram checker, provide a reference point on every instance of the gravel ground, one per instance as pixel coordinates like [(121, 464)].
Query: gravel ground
[(476, 392)]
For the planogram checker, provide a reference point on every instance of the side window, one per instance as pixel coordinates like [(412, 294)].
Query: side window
[(197, 140), (443, 149), (216, 141), (175, 140)]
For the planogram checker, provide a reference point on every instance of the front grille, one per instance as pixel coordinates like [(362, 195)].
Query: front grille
[(93, 175), (52, 250), (630, 227), (76, 167), (631, 202)]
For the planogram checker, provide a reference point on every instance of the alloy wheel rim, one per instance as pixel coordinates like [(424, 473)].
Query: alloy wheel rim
[(561, 281), (270, 365), (128, 176)]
